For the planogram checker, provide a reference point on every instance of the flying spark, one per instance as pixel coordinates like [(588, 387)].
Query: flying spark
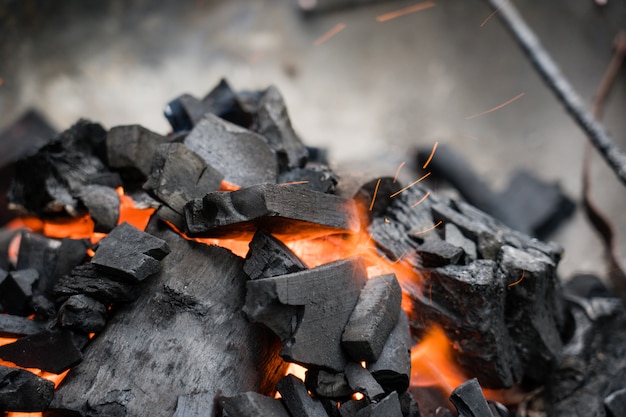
[(407, 10), (492, 14), (421, 200), (410, 185), (436, 225), (432, 153), (335, 30), (395, 177), (375, 193), (518, 281), (498, 107)]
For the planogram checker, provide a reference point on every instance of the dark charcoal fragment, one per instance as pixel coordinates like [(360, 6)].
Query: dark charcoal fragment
[(435, 252), (351, 407), (499, 410), (87, 279), (180, 111), (615, 403), (82, 313), (409, 406), (130, 253), (6, 237), (17, 326), (318, 178), (103, 204), (225, 103), (327, 384), (269, 257), (380, 188), (361, 380), (387, 407), (196, 405), (51, 351), (469, 400), (373, 318), (297, 399), (455, 237), (43, 306), (23, 391), (252, 404), (16, 290)]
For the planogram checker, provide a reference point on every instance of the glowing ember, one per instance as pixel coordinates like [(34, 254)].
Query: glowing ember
[(332, 32), (498, 107), (407, 10)]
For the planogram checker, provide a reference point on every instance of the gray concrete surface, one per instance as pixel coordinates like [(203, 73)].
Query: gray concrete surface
[(369, 94)]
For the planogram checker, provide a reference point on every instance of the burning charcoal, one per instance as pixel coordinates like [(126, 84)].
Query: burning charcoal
[(196, 405), (130, 150), (17, 326), (82, 313), (316, 178), (252, 404), (131, 253), (327, 384), (86, 279), (49, 351), (409, 406), (469, 400), (360, 380), (274, 208), (297, 399), (317, 337), (23, 391), (269, 257), (374, 317), (435, 252), (456, 238), (383, 188), (392, 370), (615, 403), (387, 407), (244, 157), (351, 407), (6, 237), (16, 290), (103, 204), (272, 122)]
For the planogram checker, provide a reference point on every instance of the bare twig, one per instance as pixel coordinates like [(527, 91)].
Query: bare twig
[(564, 91)]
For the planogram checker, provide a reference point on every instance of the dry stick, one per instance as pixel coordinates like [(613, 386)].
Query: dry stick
[(564, 91)]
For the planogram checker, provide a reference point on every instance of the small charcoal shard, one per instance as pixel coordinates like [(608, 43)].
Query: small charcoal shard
[(392, 370), (242, 156), (374, 317), (274, 208), (351, 407), (455, 237), (180, 111), (435, 252), (326, 384), (23, 391), (615, 403), (16, 290), (318, 178), (387, 407), (272, 122), (103, 204), (297, 400), (361, 380), (17, 326), (375, 195), (130, 253), (196, 405), (252, 404), (469, 400), (130, 150), (269, 257), (409, 406), (178, 175), (328, 294), (87, 279), (81, 312), (51, 351)]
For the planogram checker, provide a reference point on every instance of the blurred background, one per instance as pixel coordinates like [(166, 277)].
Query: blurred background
[(371, 93)]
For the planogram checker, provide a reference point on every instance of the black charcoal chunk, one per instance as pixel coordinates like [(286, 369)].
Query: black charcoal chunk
[(326, 384), (196, 405), (469, 400), (81, 312), (499, 410), (252, 404), (375, 194), (224, 102), (130, 253), (16, 290), (86, 279), (180, 111), (615, 403), (361, 380), (242, 156), (103, 204), (43, 306), (51, 351), (408, 405), (17, 326), (269, 257), (318, 178), (23, 391), (374, 317), (435, 252), (351, 407), (297, 399), (455, 237), (387, 407)]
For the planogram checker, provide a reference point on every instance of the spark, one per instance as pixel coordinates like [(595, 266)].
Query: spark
[(335, 30), (433, 227), (492, 14), (407, 10), (518, 281), (395, 177), (421, 200), (432, 153), (374, 196), (410, 185), (293, 183), (498, 107)]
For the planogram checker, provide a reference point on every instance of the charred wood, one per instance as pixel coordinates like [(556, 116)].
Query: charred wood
[(18, 326), (408, 405), (297, 400), (252, 404), (87, 279), (435, 252), (196, 405), (326, 384), (454, 236), (387, 407), (361, 380), (23, 391), (103, 205), (82, 313), (16, 290), (469, 400), (269, 257), (318, 178), (351, 407)]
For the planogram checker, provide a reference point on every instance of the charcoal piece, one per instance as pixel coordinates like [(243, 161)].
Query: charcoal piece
[(469, 400), (170, 216), (615, 403), (23, 391), (87, 279), (499, 410), (6, 238), (326, 384), (392, 370), (178, 175), (318, 178), (375, 194), (272, 122), (179, 110), (387, 407), (225, 103), (488, 245), (130, 253), (263, 306), (16, 290), (435, 252), (351, 407), (317, 338), (373, 318), (269, 257), (274, 208), (43, 306), (331, 406), (130, 150), (361, 380), (196, 405), (455, 237), (51, 351), (297, 399), (252, 404), (103, 204), (408, 405), (17, 326), (82, 313), (470, 227), (242, 156)]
